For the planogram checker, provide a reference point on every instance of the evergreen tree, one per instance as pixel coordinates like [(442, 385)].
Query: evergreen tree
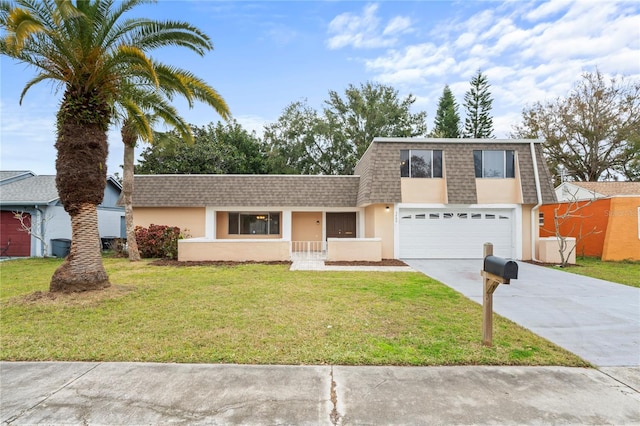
[(477, 103), (447, 121)]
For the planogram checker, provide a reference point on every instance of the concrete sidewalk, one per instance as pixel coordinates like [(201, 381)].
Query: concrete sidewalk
[(56, 393)]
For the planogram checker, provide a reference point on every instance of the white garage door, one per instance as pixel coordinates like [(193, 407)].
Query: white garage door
[(455, 233)]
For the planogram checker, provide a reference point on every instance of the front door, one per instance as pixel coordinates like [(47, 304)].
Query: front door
[(341, 225)]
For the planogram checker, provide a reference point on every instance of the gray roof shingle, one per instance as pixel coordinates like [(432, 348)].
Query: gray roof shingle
[(30, 190), (245, 190)]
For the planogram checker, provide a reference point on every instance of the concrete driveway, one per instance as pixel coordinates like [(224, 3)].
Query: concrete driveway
[(595, 319)]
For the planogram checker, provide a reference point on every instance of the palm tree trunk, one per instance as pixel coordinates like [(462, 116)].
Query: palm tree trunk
[(81, 177), (127, 197), (82, 270)]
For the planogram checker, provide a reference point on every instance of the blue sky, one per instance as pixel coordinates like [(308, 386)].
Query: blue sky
[(270, 53)]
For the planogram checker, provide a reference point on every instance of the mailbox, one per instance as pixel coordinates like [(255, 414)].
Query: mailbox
[(507, 269)]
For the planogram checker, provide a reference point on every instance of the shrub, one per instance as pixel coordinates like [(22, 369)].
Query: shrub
[(158, 241)]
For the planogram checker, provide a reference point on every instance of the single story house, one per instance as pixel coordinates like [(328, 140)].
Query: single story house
[(36, 196), (408, 198), (609, 211)]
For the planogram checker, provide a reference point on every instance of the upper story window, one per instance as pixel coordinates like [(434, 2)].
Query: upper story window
[(494, 164), (421, 163), (254, 223)]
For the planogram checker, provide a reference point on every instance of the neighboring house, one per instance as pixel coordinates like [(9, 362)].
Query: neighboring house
[(611, 209), (408, 198), (37, 197)]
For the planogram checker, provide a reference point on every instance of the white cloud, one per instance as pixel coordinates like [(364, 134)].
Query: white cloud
[(524, 63), (399, 24), (364, 31)]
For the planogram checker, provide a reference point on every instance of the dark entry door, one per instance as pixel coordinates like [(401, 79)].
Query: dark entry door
[(341, 225)]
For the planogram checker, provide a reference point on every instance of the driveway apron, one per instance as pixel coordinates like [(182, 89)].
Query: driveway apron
[(595, 319)]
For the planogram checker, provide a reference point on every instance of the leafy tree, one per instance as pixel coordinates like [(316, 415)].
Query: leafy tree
[(92, 51), (304, 140), (593, 133), (478, 104), (143, 94), (447, 121), (220, 148)]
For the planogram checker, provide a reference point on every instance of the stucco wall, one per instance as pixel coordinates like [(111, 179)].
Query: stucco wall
[(415, 190), (379, 224), (189, 219), (499, 191), (526, 231), (306, 226), (549, 249), (197, 249), (351, 249), (622, 240)]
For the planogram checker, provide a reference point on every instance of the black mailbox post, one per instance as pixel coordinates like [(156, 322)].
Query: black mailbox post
[(507, 269), (495, 271)]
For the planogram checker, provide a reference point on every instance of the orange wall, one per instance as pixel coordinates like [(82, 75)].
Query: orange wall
[(595, 215), (189, 219), (622, 240)]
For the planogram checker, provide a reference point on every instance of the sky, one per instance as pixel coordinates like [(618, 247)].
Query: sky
[(268, 54)]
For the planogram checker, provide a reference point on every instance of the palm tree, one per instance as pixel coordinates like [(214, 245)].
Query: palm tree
[(89, 50), (142, 96)]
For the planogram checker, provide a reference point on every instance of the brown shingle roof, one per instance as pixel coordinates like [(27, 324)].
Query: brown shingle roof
[(611, 188), (245, 190)]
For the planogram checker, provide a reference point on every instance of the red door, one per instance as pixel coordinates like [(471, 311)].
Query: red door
[(10, 230)]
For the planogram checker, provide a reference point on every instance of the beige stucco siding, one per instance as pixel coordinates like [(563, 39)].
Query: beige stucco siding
[(499, 191), (233, 250), (379, 224), (190, 220), (415, 190), (351, 249), (526, 231), (306, 226)]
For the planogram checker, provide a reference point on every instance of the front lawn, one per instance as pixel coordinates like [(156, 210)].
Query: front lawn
[(255, 314), (625, 272)]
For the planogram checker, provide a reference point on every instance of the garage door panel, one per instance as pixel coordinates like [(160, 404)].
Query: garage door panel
[(452, 233)]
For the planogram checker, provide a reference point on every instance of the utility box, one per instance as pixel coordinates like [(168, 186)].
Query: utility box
[(60, 247), (507, 269)]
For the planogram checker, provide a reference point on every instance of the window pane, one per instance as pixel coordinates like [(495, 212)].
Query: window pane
[(274, 223), (420, 163), (510, 164), (493, 164), (477, 162), (437, 163), (233, 223), (404, 163)]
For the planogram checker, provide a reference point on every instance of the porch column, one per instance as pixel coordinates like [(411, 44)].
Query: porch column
[(286, 225), (210, 223)]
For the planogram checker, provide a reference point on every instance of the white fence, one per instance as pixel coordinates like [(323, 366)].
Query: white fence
[(308, 250)]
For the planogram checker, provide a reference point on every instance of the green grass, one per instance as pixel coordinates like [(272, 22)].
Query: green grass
[(255, 314), (625, 272)]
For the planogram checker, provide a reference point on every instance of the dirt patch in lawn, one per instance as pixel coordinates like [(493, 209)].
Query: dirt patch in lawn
[(170, 262), (383, 262), (84, 298)]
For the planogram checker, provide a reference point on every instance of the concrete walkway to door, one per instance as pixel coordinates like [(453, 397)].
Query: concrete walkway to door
[(595, 319)]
